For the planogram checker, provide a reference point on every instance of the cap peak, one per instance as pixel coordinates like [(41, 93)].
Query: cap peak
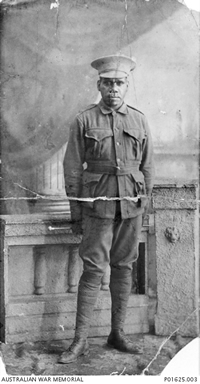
[(114, 65)]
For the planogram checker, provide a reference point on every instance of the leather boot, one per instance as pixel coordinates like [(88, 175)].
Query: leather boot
[(88, 290), (120, 289), (77, 348), (119, 341)]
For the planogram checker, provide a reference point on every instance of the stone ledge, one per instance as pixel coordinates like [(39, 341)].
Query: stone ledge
[(172, 196), (55, 319), (60, 303)]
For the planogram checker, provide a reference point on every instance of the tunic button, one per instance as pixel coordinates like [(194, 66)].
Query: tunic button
[(118, 143), (118, 160)]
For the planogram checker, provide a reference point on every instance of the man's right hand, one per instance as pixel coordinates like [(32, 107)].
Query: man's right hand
[(76, 217), (77, 227)]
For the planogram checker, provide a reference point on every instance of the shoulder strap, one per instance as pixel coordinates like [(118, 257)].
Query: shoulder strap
[(90, 106), (135, 109)]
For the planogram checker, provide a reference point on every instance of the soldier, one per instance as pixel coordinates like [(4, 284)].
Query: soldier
[(109, 160)]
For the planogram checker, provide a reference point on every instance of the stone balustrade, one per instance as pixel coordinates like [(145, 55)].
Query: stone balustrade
[(40, 269)]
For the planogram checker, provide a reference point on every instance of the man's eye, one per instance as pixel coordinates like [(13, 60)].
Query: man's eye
[(110, 83)]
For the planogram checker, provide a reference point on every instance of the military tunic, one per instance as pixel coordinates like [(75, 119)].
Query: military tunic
[(109, 154)]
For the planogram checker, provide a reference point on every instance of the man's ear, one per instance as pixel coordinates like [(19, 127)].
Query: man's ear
[(98, 85)]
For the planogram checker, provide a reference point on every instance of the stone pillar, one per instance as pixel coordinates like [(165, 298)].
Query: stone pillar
[(106, 280), (48, 182), (40, 270), (74, 269), (176, 230)]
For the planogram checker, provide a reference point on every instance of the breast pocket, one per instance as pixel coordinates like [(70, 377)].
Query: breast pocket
[(98, 142), (133, 139)]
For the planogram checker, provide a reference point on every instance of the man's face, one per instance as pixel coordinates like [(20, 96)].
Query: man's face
[(113, 91)]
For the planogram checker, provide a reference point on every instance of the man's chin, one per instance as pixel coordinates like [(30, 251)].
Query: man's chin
[(114, 102)]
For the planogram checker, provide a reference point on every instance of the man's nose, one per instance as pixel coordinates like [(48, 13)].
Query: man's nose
[(114, 86)]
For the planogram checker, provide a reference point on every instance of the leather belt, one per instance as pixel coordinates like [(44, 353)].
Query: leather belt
[(95, 167)]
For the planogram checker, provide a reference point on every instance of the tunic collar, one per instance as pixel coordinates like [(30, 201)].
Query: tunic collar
[(105, 110)]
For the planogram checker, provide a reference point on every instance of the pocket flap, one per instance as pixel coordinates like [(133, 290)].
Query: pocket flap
[(90, 177), (137, 134), (98, 134), (138, 176)]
